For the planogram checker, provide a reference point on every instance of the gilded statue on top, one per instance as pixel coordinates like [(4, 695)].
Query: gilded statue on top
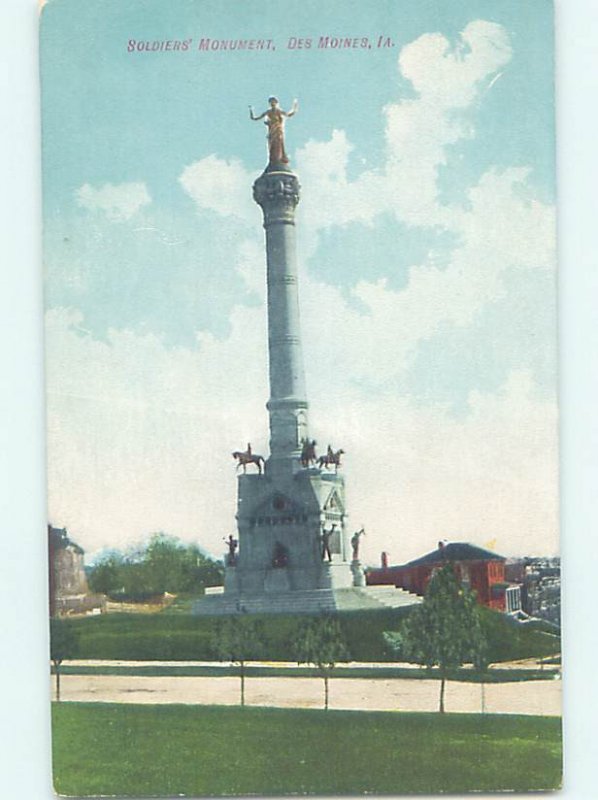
[(274, 118)]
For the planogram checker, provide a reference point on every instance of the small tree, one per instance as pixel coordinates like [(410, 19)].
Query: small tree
[(481, 663), (239, 640), (320, 642), (63, 644), (445, 631)]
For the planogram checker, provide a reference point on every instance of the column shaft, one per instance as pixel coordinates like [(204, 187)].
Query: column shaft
[(278, 194)]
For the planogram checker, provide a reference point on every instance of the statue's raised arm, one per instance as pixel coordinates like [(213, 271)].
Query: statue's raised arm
[(293, 111), (274, 119), (252, 115)]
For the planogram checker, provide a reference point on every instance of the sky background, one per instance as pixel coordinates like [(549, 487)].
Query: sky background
[(426, 249)]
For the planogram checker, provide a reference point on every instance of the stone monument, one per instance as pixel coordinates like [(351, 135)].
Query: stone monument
[(293, 548), (292, 519)]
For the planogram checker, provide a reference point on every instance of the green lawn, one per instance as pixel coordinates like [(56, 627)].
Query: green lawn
[(148, 637), (111, 749)]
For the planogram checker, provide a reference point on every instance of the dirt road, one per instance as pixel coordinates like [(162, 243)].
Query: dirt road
[(530, 697)]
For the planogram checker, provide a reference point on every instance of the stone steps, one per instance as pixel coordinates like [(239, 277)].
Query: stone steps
[(305, 602), (392, 597), (299, 602)]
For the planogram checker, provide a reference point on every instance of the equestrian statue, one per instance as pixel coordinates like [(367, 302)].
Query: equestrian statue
[(243, 458), (332, 458)]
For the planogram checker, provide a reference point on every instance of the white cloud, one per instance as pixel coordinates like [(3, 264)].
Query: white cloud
[(499, 227), (447, 81), (220, 186), (502, 231), (448, 76), (140, 437), (417, 475), (118, 202), (250, 264)]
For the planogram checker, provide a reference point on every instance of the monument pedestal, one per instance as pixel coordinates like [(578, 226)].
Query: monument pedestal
[(336, 576), (231, 583), (358, 573), (281, 515), (277, 580)]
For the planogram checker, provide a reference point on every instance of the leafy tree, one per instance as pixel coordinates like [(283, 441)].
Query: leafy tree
[(163, 564), (63, 644), (202, 571), (393, 643), (239, 640), (320, 642), (445, 630), (167, 564), (105, 576)]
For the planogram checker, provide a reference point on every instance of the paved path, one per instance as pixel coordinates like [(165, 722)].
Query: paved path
[(530, 697)]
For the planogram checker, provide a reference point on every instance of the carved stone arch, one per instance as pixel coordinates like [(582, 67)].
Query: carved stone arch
[(334, 503)]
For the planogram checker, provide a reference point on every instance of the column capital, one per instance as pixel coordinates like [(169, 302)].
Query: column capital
[(278, 194)]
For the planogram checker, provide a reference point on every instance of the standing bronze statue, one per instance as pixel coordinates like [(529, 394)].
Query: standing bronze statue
[(325, 537), (274, 119), (355, 543), (231, 556)]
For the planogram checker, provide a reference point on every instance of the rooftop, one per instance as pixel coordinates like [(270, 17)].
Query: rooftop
[(456, 551), (59, 539)]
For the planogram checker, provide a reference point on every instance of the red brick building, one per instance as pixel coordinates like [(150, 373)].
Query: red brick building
[(481, 570)]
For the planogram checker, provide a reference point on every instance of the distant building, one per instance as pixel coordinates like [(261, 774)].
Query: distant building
[(513, 599), (515, 570), (540, 580), (69, 592), (479, 569)]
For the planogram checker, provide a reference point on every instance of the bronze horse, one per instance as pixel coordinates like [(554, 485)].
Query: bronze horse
[(308, 452), (248, 458), (331, 457)]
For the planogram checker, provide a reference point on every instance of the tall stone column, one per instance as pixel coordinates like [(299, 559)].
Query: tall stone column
[(277, 192)]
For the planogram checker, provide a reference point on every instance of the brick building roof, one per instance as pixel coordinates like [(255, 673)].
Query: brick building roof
[(456, 551)]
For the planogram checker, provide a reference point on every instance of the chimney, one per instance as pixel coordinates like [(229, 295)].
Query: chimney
[(440, 545), (384, 560)]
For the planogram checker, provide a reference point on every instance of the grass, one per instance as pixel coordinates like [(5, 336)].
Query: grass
[(181, 637), (182, 604), (510, 641), (376, 673), (111, 749)]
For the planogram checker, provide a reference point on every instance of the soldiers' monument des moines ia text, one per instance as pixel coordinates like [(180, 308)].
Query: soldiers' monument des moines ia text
[(292, 551)]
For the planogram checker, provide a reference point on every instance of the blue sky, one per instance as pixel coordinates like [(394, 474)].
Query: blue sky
[(115, 117), (144, 114), (425, 229)]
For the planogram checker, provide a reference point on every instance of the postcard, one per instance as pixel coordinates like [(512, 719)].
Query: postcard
[(301, 397)]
